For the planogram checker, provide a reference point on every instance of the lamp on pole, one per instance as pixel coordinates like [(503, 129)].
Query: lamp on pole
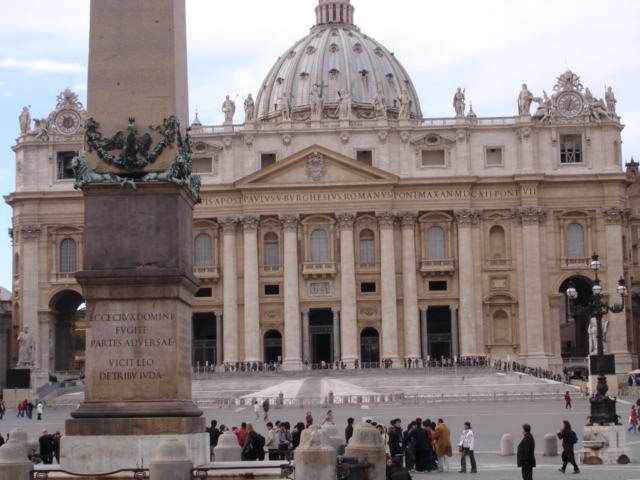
[(603, 407)]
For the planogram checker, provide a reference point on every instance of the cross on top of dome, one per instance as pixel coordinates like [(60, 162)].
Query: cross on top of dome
[(334, 11)]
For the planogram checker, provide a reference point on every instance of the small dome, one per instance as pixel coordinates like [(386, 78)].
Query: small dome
[(333, 60)]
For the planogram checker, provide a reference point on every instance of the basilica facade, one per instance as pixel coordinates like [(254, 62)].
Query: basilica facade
[(339, 224)]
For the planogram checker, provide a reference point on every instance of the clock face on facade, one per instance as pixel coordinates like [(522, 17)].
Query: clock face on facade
[(67, 122), (570, 104)]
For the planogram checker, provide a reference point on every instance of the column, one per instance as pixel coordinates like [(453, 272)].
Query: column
[(465, 219), (409, 287), (348, 333), (337, 315), (251, 290), (423, 333), (454, 331), (617, 332), (29, 237), (532, 274), (292, 344), (230, 289), (306, 337), (219, 343), (389, 334)]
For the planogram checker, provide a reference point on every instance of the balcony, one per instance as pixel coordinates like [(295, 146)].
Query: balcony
[(497, 263), (207, 274), (437, 267), (318, 269), (577, 262)]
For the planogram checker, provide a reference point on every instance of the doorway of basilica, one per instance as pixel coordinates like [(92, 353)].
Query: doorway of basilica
[(574, 336), (370, 347), (321, 333), (204, 339), (439, 332), (272, 347)]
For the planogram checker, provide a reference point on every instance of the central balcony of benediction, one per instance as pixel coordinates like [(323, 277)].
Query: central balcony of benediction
[(319, 269), (207, 273), (437, 267)]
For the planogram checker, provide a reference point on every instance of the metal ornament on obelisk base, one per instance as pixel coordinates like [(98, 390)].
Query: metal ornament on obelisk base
[(137, 275)]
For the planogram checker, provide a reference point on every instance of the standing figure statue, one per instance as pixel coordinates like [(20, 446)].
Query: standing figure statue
[(458, 102), (248, 109), (524, 101), (405, 103), (284, 106), (26, 348), (315, 102), (379, 105), (611, 101), (25, 121), (229, 109), (344, 105), (592, 330)]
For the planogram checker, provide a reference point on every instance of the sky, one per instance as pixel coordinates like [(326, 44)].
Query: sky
[(489, 47)]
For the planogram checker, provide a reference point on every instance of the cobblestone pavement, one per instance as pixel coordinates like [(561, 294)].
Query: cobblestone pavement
[(489, 419)]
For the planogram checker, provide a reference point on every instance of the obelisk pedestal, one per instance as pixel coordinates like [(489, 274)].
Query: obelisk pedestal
[(137, 274)]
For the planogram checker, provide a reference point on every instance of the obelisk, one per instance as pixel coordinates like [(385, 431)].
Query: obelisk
[(137, 275)]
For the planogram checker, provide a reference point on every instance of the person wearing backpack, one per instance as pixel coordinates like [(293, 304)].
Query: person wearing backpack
[(250, 448), (569, 439)]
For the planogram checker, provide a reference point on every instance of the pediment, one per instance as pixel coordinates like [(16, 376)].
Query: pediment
[(316, 166)]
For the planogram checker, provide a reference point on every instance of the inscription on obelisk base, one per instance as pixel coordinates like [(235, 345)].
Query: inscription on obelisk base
[(137, 275)]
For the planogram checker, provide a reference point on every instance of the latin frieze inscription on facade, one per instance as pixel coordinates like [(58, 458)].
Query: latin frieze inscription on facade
[(510, 193)]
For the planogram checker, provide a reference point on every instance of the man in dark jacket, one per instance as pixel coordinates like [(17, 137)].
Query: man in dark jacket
[(396, 447), (526, 456), (348, 431), (569, 439), (46, 444)]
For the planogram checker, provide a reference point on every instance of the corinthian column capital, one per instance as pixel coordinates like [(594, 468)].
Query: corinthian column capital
[(386, 218), (250, 223), (467, 216), (228, 224), (289, 222), (614, 215), (345, 220), (408, 219), (530, 215)]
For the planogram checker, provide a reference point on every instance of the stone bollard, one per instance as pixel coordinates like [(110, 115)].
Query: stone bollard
[(171, 461), (366, 446), (506, 445), (14, 463), (228, 449), (280, 400), (335, 439), (550, 445), (315, 456)]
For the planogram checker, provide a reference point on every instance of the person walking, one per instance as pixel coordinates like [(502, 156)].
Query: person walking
[(1, 439), (348, 431), (265, 408), (56, 446), (442, 436), (569, 439), (3, 408), (466, 446), (256, 410), (633, 420), (567, 400), (39, 410), (526, 456)]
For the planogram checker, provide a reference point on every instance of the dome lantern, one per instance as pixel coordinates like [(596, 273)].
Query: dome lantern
[(334, 11)]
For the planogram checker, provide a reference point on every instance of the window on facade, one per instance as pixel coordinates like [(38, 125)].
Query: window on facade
[(63, 165), (368, 287), (267, 159), (438, 286), (204, 292), (493, 156), (272, 289), (367, 246), (497, 242), (575, 241), (202, 165), (570, 149), (319, 245), (67, 255), (271, 250), (435, 244), (365, 156), (433, 158), (203, 251)]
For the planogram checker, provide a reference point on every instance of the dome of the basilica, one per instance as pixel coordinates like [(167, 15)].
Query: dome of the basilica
[(336, 65)]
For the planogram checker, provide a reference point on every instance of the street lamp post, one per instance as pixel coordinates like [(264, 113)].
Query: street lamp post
[(603, 407)]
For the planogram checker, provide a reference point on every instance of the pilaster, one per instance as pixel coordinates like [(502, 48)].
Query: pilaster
[(348, 334), (230, 289), (292, 327), (388, 294), (409, 287), (251, 289)]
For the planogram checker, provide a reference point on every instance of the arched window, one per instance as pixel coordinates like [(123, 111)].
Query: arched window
[(319, 245), (435, 244), (271, 250), (575, 241), (497, 242), (67, 255), (367, 248), (203, 250)]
